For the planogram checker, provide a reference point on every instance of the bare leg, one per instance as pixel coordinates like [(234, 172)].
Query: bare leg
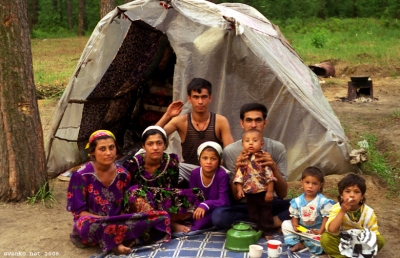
[(277, 222), (297, 247), (121, 249), (176, 227)]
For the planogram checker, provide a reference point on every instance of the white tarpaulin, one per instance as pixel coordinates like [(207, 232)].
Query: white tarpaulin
[(233, 46)]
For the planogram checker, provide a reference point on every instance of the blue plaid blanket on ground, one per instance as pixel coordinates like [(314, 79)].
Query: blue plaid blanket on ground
[(207, 244)]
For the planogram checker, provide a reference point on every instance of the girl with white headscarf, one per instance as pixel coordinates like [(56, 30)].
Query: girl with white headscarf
[(212, 180)]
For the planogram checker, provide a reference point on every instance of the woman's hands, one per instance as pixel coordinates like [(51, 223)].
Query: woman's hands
[(86, 213)]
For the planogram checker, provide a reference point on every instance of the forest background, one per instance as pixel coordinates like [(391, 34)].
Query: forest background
[(61, 18)]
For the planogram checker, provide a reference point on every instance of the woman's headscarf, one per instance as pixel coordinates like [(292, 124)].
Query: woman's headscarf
[(211, 144), (97, 134), (156, 127)]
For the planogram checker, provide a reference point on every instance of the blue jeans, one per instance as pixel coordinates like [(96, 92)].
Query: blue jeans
[(225, 217)]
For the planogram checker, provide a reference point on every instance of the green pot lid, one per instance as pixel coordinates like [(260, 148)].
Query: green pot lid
[(241, 226)]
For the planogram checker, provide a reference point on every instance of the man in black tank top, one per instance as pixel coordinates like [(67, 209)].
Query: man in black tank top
[(198, 126), (195, 137)]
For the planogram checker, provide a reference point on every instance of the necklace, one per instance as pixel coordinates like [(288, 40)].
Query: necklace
[(141, 169), (201, 131)]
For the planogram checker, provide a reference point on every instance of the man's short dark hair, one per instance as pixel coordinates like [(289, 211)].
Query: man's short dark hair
[(197, 84), (253, 107)]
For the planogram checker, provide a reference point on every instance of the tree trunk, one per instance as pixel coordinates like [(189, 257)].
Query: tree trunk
[(60, 11), (22, 158), (54, 5), (70, 15), (81, 17), (106, 6), (322, 9), (33, 14), (355, 12)]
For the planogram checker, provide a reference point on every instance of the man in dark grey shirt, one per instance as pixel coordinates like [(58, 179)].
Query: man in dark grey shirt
[(253, 116)]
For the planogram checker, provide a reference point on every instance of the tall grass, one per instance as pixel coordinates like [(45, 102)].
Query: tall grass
[(357, 41), (54, 61), (43, 195), (377, 163)]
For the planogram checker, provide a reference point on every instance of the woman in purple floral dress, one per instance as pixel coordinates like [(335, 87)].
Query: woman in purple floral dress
[(95, 199), (155, 180)]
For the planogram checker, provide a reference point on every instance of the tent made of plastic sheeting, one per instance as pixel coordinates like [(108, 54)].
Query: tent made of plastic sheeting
[(142, 55)]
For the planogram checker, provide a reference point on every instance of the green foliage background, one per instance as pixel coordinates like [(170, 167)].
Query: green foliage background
[(53, 20)]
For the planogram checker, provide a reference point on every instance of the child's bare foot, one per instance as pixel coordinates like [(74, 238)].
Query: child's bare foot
[(176, 227), (297, 247), (121, 249), (268, 237)]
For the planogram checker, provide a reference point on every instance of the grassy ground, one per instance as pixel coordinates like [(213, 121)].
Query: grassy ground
[(54, 61), (357, 41)]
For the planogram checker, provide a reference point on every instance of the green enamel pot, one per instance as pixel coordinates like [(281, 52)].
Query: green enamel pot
[(240, 237)]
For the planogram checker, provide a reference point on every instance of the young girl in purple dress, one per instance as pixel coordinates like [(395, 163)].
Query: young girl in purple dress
[(95, 199), (212, 180)]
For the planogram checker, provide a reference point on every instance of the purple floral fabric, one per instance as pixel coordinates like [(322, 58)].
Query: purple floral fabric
[(87, 193), (165, 176), (174, 201), (159, 189)]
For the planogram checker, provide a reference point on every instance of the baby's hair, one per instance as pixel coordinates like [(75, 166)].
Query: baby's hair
[(253, 131), (209, 148), (314, 172), (352, 180)]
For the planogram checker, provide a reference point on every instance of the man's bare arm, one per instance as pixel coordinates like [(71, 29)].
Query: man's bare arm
[(240, 161), (167, 121), (280, 186), (224, 130)]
